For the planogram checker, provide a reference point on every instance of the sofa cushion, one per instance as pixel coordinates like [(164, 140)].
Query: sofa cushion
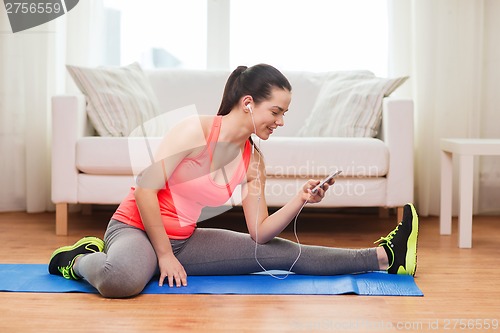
[(118, 99), (365, 192), (349, 104), (284, 157), (114, 156), (103, 189), (318, 156)]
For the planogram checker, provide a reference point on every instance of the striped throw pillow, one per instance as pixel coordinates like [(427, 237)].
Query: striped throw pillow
[(349, 104), (119, 99)]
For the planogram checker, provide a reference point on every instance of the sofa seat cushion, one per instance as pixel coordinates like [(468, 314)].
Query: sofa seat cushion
[(285, 157), (318, 156), (114, 155), (366, 192)]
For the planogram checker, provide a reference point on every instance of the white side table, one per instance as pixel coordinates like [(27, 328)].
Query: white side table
[(464, 150)]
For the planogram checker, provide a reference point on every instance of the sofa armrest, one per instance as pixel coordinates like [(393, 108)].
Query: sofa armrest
[(397, 133), (69, 123)]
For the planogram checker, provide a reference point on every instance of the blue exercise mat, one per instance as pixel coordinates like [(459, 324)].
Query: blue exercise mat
[(35, 278)]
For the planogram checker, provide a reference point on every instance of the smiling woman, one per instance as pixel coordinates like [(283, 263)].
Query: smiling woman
[(154, 229)]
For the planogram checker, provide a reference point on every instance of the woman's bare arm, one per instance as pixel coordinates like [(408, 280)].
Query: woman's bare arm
[(262, 226), (179, 143)]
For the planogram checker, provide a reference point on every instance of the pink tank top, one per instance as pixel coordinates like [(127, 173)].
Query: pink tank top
[(185, 195)]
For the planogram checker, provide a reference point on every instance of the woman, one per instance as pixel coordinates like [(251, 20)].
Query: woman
[(199, 163)]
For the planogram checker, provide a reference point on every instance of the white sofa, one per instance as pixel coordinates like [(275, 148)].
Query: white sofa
[(377, 172)]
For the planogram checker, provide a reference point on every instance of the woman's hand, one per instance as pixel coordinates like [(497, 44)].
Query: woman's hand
[(172, 270), (310, 197)]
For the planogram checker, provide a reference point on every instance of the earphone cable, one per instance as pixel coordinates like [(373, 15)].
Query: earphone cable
[(257, 228)]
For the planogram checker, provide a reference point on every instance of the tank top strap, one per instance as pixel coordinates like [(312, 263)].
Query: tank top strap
[(247, 154), (214, 135)]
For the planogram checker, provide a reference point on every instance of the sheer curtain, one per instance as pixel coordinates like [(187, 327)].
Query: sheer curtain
[(450, 50), (31, 72), (27, 65)]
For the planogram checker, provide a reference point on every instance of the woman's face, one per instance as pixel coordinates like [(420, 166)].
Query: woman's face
[(269, 114)]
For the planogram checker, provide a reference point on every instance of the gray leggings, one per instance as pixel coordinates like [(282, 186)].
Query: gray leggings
[(129, 261)]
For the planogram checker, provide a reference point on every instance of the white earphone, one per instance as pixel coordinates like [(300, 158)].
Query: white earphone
[(253, 145), (253, 121)]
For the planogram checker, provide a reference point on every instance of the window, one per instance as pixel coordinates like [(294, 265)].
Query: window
[(157, 33), (312, 35)]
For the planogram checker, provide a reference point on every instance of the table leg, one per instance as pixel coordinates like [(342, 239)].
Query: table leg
[(446, 193), (466, 178)]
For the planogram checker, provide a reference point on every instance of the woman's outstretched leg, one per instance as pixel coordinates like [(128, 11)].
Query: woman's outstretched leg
[(221, 252)]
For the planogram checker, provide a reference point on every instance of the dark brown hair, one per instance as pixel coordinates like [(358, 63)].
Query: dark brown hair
[(256, 81)]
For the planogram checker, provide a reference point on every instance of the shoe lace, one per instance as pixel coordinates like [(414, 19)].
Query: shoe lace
[(65, 271), (387, 239)]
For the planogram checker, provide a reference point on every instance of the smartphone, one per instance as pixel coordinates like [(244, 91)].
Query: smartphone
[(326, 180)]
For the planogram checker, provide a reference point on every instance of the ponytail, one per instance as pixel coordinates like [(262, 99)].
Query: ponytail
[(232, 90), (256, 81)]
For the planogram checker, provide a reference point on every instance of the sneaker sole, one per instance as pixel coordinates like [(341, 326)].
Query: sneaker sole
[(411, 253), (94, 240)]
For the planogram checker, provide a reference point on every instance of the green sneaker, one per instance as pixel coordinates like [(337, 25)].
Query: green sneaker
[(63, 259), (401, 244)]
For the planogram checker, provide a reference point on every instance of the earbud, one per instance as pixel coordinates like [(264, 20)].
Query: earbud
[(249, 108)]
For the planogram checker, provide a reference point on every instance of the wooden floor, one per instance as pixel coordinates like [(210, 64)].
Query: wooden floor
[(461, 286)]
